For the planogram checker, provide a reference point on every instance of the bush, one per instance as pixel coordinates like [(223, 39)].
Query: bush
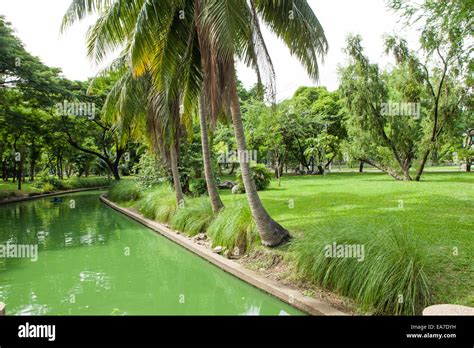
[(48, 188), (194, 217), (70, 184), (234, 227), (150, 171), (389, 280), (261, 175), (199, 187), (158, 203), (124, 191), (91, 182)]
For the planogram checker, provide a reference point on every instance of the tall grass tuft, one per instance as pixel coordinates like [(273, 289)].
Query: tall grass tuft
[(194, 217), (158, 203), (234, 227), (124, 191), (390, 279)]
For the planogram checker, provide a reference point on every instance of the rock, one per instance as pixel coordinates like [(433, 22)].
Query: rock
[(448, 309), (218, 249), (236, 251), (236, 189), (227, 254), (226, 185), (200, 236)]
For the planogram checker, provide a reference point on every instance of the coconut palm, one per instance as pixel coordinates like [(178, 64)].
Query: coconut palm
[(132, 104), (162, 34)]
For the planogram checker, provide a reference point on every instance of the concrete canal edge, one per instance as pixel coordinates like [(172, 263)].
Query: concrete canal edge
[(291, 296), (57, 193)]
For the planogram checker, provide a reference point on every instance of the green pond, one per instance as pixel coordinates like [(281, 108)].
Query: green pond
[(93, 260)]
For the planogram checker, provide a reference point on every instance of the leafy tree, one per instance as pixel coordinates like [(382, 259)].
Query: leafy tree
[(447, 46)]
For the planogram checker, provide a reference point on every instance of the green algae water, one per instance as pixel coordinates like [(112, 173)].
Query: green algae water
[(93, 260)]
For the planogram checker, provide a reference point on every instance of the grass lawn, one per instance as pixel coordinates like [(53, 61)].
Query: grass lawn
[(10, 189), (438, 212), (13, 186)]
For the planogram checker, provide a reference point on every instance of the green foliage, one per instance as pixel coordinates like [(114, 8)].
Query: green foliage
[(124, 191), (261, 175), (48, 188), (150, 170), (89, 182), (158, 203), (194, 217), (70, 184), (199, 187), (234, 227), (390, 279), (8, 194)]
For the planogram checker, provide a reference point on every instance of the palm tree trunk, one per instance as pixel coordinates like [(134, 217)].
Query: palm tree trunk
[(175, 173), (212, 190), (271, 232)]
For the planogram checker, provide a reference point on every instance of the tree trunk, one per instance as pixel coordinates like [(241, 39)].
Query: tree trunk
[(32, 170), (212, 189), (419, 172), (232, 168), (20, 169), (320, 169), (406, 173), (271, 232), (361, 167), (175, 172), (114, 168), (386, 170)]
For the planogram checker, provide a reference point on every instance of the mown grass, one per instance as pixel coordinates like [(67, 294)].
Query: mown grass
[(417, 235), (437, 211)]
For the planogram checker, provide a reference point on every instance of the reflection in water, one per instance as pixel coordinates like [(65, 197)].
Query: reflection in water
[(93, 260)]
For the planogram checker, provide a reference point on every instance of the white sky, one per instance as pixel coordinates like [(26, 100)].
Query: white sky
[(37, 24)]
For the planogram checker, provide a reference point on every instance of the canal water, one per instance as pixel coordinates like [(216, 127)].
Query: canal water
[(93, 260)]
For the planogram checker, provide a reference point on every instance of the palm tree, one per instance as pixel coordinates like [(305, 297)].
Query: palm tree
[(164, 39), (133, 104), (233, 29)]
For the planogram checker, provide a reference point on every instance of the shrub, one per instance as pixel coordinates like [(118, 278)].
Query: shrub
[(158, 203), (150, 170), (48, 188), (194, 217), (199, 187), (234, 227), (89, 182), (70, 184), (124, 191), (261, 175), (389, 280)]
